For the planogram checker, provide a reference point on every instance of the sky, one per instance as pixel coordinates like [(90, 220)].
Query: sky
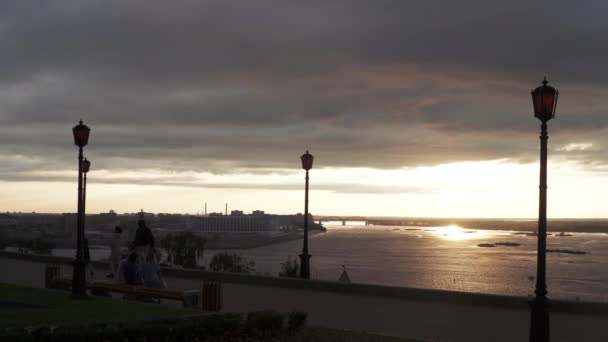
[(411, 108)]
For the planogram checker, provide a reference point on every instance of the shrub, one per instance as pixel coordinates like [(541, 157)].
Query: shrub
[(231, 262), (290, 268), (265, 323), (219, 327), (183, 248), (296, 321)]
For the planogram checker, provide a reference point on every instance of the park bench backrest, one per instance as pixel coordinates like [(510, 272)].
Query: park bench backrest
[(210, 295)]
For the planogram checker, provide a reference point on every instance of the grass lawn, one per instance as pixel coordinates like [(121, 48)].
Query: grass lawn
[(24, 306)]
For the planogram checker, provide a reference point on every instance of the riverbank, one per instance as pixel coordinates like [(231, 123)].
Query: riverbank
[(241, 240)]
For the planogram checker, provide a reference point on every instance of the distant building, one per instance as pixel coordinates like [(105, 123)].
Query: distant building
[(235, 223), (110, 213), (256, 222)]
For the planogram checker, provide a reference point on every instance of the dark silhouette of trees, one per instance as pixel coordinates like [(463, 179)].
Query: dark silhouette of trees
[(231, 262), (290, 268), (183, 248)]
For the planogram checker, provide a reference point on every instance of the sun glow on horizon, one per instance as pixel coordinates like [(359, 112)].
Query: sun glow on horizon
[(454, 232), (487, 189)]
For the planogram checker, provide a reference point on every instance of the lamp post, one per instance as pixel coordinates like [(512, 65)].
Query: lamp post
[(544, 99), (307, 160), (86, 166), (81, 139)]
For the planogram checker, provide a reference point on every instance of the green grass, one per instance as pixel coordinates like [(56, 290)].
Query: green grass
[(317, 334), (23, 306)]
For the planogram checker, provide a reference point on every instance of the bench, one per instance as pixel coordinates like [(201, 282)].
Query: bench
[(209, 297), (142, 293)]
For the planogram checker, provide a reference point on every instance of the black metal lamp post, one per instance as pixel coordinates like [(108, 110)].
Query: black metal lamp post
[(307, 160), (544, 99), (81, 139), (86, 166)]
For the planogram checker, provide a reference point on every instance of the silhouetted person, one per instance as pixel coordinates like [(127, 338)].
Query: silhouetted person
[(129, 270), (115, 252), (144, 240), (150, 272)]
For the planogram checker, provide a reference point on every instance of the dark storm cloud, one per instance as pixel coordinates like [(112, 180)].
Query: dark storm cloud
[(219, 85)]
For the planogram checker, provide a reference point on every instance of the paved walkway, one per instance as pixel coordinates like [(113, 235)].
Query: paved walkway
[(383, 315)]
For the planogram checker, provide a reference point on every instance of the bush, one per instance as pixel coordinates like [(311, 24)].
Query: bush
[(290, 268), (296, 321), (217, 325), (265, 323), (183, 248), (224, 327), (231, 262)]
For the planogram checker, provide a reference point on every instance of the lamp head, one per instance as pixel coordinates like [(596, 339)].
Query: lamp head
[(307, 160), (544, 99), (81, 134)]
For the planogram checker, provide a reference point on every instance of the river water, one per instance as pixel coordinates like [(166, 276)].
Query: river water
[(446, 258)]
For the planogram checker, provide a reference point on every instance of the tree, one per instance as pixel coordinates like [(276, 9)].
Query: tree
[(290, 268), (231, 262), (183, 248)]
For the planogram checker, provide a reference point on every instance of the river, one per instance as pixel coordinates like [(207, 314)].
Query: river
[(446, 258)]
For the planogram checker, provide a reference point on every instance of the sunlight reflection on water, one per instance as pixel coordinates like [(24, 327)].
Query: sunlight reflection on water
[(428, 257)]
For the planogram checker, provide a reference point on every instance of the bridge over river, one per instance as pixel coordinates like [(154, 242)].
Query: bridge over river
[(384, 221), (343, 219)]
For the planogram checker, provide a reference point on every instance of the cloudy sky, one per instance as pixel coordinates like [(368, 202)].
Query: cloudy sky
[(411, 108)]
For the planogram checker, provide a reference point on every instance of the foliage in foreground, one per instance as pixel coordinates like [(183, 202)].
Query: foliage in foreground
[(315, 334), (231, 262), (262, 325)]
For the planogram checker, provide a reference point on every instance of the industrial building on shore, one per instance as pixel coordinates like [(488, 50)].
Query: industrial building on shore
[(256, 222)]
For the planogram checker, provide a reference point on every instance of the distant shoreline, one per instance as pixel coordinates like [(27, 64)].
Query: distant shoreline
[(236, 241)]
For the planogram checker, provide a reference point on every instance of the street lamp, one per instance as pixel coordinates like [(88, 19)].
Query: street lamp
[(307, 160), (86, 166), (544, 99), (81, 139)]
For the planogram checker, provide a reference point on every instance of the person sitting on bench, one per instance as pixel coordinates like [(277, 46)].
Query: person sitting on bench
[(150, 272), (129, 270)]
